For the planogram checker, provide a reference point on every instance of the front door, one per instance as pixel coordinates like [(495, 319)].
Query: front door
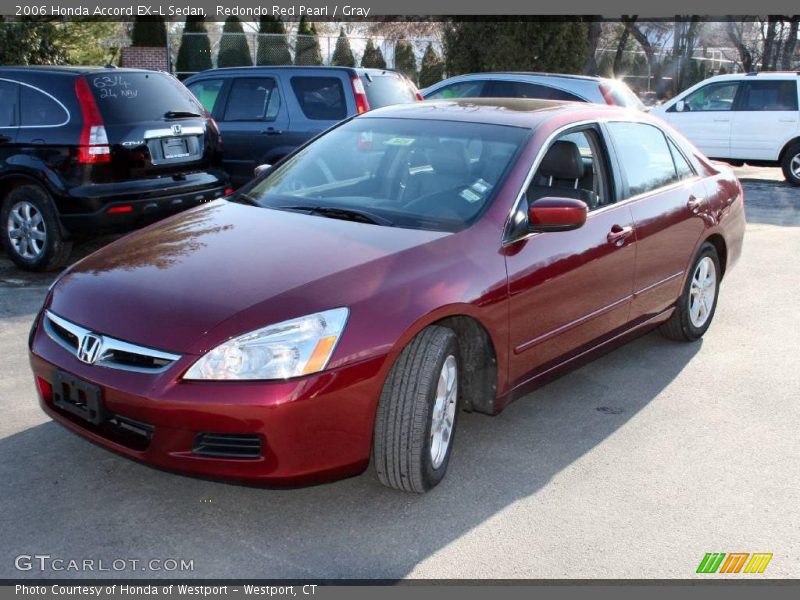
[(568, 289)]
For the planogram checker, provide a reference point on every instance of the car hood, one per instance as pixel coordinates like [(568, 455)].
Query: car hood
[(169, 285)]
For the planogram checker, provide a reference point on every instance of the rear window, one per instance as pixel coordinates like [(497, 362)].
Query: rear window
[(387, 89), (320, 98), (135, 97)]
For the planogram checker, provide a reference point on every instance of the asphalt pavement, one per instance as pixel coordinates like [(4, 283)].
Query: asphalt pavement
[(633, 466)]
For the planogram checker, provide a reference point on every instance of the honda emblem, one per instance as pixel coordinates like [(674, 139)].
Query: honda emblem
[(89, 348)]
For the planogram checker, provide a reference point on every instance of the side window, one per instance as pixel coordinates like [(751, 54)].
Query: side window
[(682, 166), (521, 89), (770, 95), (645, 156), (712, 97), (320, 98), (8, 104), (252, 99), (39, 109), (464, 89), (207, 92), (574, 166)]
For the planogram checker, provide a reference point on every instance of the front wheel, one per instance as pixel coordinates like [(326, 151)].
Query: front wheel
[(791, 164), (698, 302), (417, 413)]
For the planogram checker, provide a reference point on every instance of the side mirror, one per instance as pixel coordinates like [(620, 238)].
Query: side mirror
[(680, 106), (262, 170), (557, 214)]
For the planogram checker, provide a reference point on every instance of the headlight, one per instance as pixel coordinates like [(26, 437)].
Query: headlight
[(296, 347)]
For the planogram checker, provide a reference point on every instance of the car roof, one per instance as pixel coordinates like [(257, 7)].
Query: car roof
[(516, 112), (761, 75), (69, 70), (320, 68)]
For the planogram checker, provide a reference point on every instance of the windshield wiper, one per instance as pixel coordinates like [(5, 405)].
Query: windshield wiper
[(180, 114), (347, 214)]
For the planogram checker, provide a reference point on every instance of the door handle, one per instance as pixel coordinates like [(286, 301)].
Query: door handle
[(722, 120), (4, 139), (695, 203), (788, 120), (618, 235), (271, 131)]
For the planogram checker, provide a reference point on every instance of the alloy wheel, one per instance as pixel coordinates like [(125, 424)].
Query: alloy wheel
[(27, 231), (702, 292), (794, 166), (444, 411)]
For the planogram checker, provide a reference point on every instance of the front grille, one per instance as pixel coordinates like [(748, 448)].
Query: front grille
[(227, 445), (112, 353)]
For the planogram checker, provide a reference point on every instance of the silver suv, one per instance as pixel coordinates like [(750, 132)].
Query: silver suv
[(548, 86)]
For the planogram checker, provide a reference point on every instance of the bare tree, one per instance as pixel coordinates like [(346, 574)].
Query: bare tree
[(736, 30), (595, 29), (619, 55), (790, 44)]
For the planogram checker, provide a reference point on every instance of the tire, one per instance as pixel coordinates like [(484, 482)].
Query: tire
[(27, 211), (791, 164), (404, 453), (693, 315)]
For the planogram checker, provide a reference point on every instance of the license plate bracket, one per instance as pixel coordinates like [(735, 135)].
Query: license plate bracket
[(78, 397), (175, 148)]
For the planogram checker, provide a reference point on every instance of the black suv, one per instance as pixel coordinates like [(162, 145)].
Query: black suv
[(85, 150), (265, 113)]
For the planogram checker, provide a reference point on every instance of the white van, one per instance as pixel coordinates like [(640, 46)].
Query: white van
[(751, 118)]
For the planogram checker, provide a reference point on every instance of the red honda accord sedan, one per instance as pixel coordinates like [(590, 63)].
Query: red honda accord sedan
[(410, 263)]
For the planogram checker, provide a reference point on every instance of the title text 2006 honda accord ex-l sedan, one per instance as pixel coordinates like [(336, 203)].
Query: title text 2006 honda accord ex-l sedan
[(411, 263)]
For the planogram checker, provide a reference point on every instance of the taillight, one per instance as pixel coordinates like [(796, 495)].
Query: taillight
[(213, 124), (419, 96), (116, 210), (362, 104), (93, 146), (608, 96)]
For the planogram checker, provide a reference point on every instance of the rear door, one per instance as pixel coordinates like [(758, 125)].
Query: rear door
[(706, 118), (9, 103), (668, 203), (154, 125), (765, 117), (254, 122)]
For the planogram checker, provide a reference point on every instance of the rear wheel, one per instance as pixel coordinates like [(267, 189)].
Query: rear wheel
[(417, 413), (791, 164), (30, 230), (698, 302)]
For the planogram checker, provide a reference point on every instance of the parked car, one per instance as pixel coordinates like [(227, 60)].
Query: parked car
[(412, 262), (265, 113), (85, 150), (751, 118), (546, 86)]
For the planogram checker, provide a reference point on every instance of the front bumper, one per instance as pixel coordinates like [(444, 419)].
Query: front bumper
[(312, 429)]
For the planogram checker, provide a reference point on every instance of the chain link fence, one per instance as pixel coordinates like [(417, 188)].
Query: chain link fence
[(193, 52)]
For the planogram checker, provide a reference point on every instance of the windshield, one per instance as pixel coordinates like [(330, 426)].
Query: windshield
[(418, 174)]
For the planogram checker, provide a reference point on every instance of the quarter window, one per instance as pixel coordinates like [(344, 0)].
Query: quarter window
[(646, 158), (252, 99), (40, 110), (770, 95), (8, 104), (712, 97), (207, 92), (682, 166), (320, 98)]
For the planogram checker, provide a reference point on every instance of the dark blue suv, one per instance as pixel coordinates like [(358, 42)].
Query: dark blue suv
[(265, 113)]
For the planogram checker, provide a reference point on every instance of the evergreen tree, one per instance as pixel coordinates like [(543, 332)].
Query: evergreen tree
[(373, 57), (27, 42), (306, 50), (507, 45), (404, 59), (273, 49), (432, 70), (149, 32), (233, 48), (343, 54), (195, 52)]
